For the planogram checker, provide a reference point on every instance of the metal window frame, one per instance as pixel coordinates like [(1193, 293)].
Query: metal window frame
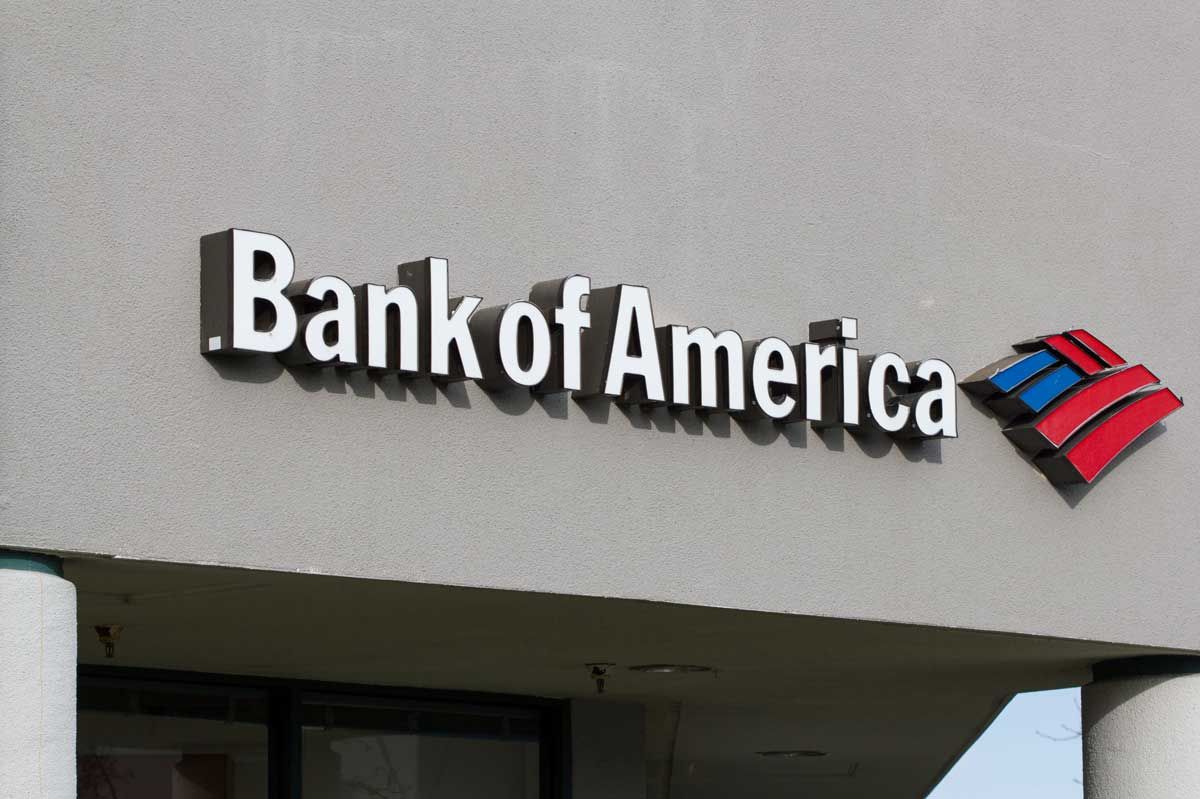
[(285, 697)]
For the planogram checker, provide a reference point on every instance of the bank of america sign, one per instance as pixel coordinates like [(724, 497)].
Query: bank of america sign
[(1068, 399)]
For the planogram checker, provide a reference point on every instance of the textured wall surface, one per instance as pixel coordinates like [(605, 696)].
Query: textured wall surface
[(37, 686), (956, 176)]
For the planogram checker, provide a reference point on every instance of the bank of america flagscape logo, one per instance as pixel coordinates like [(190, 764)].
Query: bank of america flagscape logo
[(1072, 402)]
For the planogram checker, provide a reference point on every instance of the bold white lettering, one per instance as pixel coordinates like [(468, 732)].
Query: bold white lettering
[(509, 343), (943, 396), (391, 347), (877, 392), (572, 320), (330, 335), (705, 344), (634, 318), (816, 360), (763, 376), (253, 254), (849, 366), (446, 328)]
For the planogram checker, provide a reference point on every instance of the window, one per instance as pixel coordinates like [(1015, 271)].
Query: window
[(363, 749), (170, 741), (173, 735)]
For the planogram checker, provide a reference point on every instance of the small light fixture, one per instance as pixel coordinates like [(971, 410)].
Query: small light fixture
[(598, 671), (109, 634), (791, 753), (671, 668)]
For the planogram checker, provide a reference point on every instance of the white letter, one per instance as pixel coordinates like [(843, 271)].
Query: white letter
[(573, 321), (706, 344), (877, 397), (247, 288), (816, 360), (446, 328), (849, 367), (763, 376), (344, 348), (382, 347), (510, 352), (944, 395), (634, 307)]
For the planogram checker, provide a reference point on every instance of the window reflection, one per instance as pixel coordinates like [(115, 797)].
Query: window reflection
[(150, 739), (170, 742), (358, 749)]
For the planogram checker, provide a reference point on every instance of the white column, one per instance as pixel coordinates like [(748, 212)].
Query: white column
[(37, 679), (1141, 729)]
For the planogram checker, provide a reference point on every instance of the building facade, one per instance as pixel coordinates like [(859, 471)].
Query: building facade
[(497, 399)]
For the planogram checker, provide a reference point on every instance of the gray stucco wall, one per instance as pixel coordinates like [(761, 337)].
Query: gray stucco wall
[(958, 177)]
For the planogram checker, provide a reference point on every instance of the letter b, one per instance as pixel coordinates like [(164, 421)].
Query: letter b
[(243, 310)]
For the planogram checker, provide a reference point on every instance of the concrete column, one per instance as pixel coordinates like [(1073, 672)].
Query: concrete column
[(37, 678), (1141, 729)]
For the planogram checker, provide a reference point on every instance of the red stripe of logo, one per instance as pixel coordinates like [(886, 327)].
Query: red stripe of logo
[(1098, 347), (1074, 353), (1114, 434), (1083, 406)]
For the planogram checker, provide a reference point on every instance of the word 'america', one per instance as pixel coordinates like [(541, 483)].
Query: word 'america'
[(566, 337)]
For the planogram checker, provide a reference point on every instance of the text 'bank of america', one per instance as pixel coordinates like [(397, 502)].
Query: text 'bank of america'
[(566, 337)]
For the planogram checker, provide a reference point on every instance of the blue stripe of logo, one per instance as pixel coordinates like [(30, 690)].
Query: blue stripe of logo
[(1044, 391), (1012, 376)]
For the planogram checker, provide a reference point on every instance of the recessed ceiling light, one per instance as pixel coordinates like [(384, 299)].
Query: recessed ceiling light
[(789, 753), (670, 668)]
